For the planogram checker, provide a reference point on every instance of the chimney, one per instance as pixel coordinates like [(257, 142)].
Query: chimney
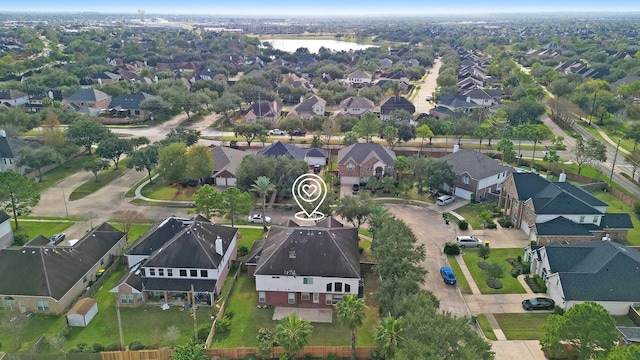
[(562, 177), (301, 99), (50, 94), (275, 107), (3, 133), (456, 147), (219, 246)]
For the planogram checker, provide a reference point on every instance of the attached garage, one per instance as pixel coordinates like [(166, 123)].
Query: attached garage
[(82, 312), (349, 180), (462, 193)]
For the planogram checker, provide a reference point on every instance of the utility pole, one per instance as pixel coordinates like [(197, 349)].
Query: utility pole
[(613, 166)]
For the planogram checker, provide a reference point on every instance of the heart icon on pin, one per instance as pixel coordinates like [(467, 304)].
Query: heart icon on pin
[(309, 189)]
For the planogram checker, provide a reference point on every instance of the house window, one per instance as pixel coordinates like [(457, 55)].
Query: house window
[(183, 273), (139, 298), (170, 272), (291, 298), (389, 168), (305, 296), (123, 298), (595, 219), (338, 287), (9, 302), (43, 305), (160, 272), (581, 219), (193, 273), (130, 298), (465, 179), (499, 175), (84, 279), (102, 261), (351, 166), (152, 272), (204, 273), (262, 296), (328, 299), (307, 281), (347, 288), (329, 287)]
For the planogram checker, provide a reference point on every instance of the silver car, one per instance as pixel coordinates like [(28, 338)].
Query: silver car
[(468, 241), (445, 200)]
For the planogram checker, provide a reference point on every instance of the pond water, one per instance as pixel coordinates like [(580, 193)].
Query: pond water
[(291, 45)]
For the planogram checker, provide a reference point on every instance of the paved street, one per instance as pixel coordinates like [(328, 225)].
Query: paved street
[(427, 88)]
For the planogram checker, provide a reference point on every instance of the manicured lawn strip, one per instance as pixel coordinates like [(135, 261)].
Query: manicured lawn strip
[(510, 285), (624, 320), (486, 327), (145, 323), (92, 186), (132, 192), (61, 218), (159, 190), (58, 173), (617, 206), (522, 326), (135, 232), (44, 228), (155, 203), (249, 236), (471, 213), (462, 280), (37, 325), (365, 232)]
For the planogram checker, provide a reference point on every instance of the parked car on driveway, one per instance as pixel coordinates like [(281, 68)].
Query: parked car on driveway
[(276, 132), (468, 241), (355, 189), (538, 303), (257, 219), (448, 276), (445, 200), (56, 238)]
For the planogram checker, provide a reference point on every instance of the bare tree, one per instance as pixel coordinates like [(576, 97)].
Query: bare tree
[(172, 334), (128, 219)]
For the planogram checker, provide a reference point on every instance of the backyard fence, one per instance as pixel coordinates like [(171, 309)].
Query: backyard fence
[(62, 356), (223, 307), (232, 353)]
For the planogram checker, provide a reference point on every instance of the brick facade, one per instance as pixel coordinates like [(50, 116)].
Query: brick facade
[(281, 298)]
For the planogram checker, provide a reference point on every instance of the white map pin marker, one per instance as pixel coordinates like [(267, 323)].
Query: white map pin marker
[(307, 189)]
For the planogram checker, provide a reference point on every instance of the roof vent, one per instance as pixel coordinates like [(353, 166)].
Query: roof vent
[(292, 254)]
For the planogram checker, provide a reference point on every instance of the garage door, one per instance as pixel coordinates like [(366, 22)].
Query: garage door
[(349, 180), (525, 227), (465, 194)]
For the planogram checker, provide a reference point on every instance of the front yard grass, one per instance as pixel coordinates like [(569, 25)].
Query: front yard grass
[(617, 206), (483, 322), (35, 326), (105, 178), (159, 190), (510, 285), (44, 228), (526, 326), (462, 280), (248, 319), (60, 172), (135, 232), (471, 213), (249, 236)]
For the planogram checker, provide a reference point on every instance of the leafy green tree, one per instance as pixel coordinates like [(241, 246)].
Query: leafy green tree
[(587, 327), (290, 124), (226, 104), (390, 135), (38, 158), (350, 311), (292, 333), (506, 147), (113, 148), (199, 162), (633, 159), (282, 171), (154, 105), (355, 209), (484, 252), (86, 132), (388, 337), (172, 162), (250, 132), (18, 195), (481, 132), (623, 353), (262, 186), (96, 166), (208, 202), (440, 173), (189, 351), (368, 125), (424, 131), (235, 202), (551, 157), (634, 134), (589, 152), (181, 134), (350, 138), (495, 270), (316, 142), (142, 159)]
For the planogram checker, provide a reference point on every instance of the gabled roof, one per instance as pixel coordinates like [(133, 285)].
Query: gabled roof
[(359, 152), (330, 222), (11, 94), (316, 152), (130, 101), (9, 147), (596, 271), (551, 201), (226, 158), (397, 103), (478, 94), (159, 234), (528, 184), (359, 74), (616, 221), (53, 270), (3, 216), (88, 95), (279, 148), (313, 251), (306, 106), (478, 165), (455, 101), (357, 102), (561, 226)]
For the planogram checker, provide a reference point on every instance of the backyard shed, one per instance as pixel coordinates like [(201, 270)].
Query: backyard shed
[(82, 312)]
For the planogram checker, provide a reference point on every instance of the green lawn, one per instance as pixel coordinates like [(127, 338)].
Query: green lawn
[(44, 228), (105, 178), (526, 326), (249, 236), (58, 173), (248, 319), (486, 327), (35, 326), (471, 213), (617, 206), (135, 232), (510, 285), (146, 323), (462, 280), (159, 190)]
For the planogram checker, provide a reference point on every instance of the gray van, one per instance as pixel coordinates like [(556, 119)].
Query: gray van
[(468, 241)]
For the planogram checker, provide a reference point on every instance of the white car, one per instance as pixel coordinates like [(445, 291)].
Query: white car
[(445, 200), (468, 241), (257, 219), (277, 132)]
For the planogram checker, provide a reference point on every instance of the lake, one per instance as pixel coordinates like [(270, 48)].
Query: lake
[(291, 45)]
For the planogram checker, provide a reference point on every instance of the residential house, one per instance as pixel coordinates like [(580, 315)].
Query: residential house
[(88, 98), (6, 234), (311, 156), (398, 76), (456, 103), (305, 266), (395, 103), (479, 97), (261, 110), (360, 161), (226, 162), (13, 98), (129, 105), (476, 173), (359, 78), (355, 106), (313, 106), (316, 156), (47, 279), (178, 260), (600, 271), (385, 63), (552, 212), (106, 77), (9, 150)]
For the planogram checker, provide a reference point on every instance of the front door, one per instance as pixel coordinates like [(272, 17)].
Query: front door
[(316, 298)]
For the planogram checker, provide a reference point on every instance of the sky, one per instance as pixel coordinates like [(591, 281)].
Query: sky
[(351, 8)]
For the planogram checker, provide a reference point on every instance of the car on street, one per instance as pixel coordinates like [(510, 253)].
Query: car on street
[(257, 219), (468, 241), (56, 238), (276, 132), (355, 189), (299, 132), (445, 200), (538, 303), (448, 276)]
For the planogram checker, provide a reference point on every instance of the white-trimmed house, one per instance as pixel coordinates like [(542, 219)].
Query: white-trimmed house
[(359, 77), (6, 234), (476, 173)]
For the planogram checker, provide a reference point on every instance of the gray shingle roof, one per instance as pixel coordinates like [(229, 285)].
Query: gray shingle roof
[(226, 158), (616, 221), (130, 101), (630, 334), (279, 148), (357, 102), (3, 216), (88, 94), (397, 103), (316, 152), (528, 184), (562, 203), (561, 226), (478, 165), (11, 94), (359, 152), (9, 147)]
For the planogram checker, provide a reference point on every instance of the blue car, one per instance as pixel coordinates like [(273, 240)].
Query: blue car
[(448, 276)]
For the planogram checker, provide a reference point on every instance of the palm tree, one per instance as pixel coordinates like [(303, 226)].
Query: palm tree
[(424, 131), (536, 135), (263, 186), (292, 333), (387, 337), (350, 312)]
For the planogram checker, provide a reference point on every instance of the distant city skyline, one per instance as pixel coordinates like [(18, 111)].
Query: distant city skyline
[(352, 8)]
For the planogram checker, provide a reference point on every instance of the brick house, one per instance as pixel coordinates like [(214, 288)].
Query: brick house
[(476, 173), (358, 162), (178, 260), (88, 98), (558, 211), (309, 267)]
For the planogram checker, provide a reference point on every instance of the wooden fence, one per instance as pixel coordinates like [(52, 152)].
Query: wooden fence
[(239, 353), (223, 307), (622, 196)]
